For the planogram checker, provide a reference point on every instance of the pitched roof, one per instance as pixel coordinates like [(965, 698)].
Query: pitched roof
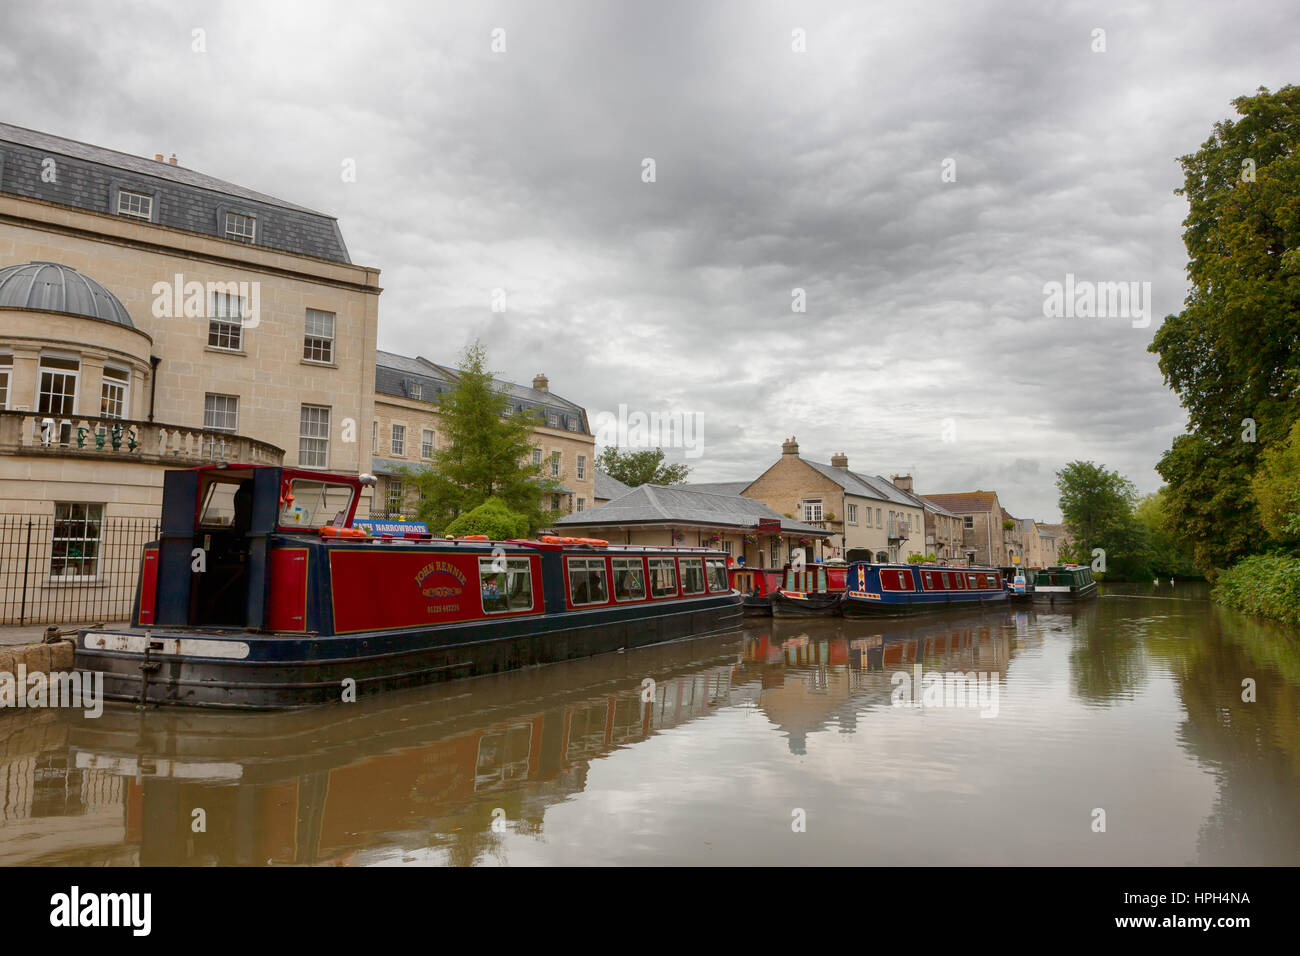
[(90, 177), (716, 487), (397, 375), (672, 504), (608, 487), (966, 502), (864, 486)]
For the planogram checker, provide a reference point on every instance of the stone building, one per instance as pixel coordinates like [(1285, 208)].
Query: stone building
[(151, 314), (406, 430), (861, 511), (983, 539), (684, 517)]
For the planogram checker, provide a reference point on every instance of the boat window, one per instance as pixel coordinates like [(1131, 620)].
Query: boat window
[(587, 583), (315, 504), (663, 577), (717, 574), (224, 502), (947, 581), (629, 579), (692, 575), (506, 584), (971, 582), (928, 579)]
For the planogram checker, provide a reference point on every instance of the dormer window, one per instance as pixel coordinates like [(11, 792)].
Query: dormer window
[(135, 205), (241, 228), (553, 419)]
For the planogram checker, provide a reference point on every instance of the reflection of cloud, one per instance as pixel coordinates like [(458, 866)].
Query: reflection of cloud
[(775, 170)]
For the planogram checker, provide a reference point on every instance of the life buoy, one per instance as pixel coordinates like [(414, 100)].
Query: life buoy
[(473, 537)]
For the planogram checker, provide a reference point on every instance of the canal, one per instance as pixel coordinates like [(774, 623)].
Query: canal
[(1115, 733)]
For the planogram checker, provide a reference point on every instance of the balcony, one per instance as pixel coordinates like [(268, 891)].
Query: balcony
[(116, 439)]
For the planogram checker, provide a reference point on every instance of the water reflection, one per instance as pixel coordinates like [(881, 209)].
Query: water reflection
[(695, 752)]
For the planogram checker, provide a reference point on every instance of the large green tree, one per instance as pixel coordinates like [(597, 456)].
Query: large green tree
[(488, 453), (1098, 508), (1231, 354), (1168, 552), (645, 467)]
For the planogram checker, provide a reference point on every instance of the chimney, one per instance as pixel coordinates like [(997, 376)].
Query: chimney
[(157, 157), (790, 447), (903, 483), (840, 461), (172, 161), (541, 383)]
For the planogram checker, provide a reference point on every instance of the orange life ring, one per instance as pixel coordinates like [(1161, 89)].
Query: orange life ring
[(473, 537), (329, 531), (551, 539)]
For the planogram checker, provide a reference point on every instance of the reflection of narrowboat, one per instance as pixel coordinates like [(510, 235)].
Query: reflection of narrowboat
[(1066, 584), (806, 592), (756, 586), (878, 590), (261, 594)]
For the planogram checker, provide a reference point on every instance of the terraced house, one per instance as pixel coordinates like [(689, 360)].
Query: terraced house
[(152, 315), (407, 430)]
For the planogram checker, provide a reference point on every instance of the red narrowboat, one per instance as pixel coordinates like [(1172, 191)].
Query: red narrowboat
[(261, 594)]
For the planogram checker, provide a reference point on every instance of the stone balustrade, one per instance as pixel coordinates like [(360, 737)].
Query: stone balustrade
[(79, 436)]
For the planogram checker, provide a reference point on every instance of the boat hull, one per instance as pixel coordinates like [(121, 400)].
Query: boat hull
[(757, 605), (918, 604), (1049, 597), (203, 667), (824, 604)]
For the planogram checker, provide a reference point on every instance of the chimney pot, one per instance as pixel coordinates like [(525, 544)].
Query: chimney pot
[(172, 161), (541, 383), (158, 157), (903, 483), (840, 461), (790, 446)]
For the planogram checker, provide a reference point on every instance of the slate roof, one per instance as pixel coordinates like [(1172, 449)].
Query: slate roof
[(58, 288), (90, 177), (716, 487), (967, 502), (672, 504), (398, 375), (865, 486), (608, 487)]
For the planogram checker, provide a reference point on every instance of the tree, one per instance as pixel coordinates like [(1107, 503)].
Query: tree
[(492, 518), (488, 453), (1231, 355), (1097, 506), (645, 467), (1276, 489), (1168, 553)]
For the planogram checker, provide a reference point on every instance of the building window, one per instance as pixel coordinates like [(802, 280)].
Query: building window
[(135, 205), (537, 456), (571, 422), (581, 504), (555, 464), (57, 393), (968, 522), (220, 414), (555, 502), (399, 440), (314, 436), (374, 438), (426, 443), (318, 343), (878, 521), (6, 368), (852, 516), (582, 467), (226, 322), (553, 419), (241, 228), (812, 510), (113, 392), (74, 551), (394, 495)]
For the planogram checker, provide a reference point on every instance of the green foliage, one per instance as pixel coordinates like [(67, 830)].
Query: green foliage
[(1098, 507), (1265, 584), (488, 453), (1007, 524), (1168, 553), (1232, 354), (492, 518), (645, 467), (915, 558), (1276, 489)]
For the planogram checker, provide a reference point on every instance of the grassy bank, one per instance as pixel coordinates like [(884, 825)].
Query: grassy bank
[(1264, 584)]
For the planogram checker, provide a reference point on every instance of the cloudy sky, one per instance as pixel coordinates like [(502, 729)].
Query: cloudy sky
[(923, 346)]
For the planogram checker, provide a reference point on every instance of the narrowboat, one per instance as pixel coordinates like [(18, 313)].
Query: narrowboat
[(260, 594), (886, 590), (807, 592), (756, 586), (1064, 584)]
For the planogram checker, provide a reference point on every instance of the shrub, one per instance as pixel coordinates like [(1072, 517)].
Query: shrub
[(492, 518), (1264, 584)]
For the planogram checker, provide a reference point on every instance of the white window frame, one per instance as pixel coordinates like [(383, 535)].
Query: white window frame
[(122, 386), (555, 464), (397, 442), (220, 324), (812, 510), (6, 372), (428, 443), (307, 440), (582, 469), (852, 513), (317, 345), (98, 519), (234, 221), (145, 205)]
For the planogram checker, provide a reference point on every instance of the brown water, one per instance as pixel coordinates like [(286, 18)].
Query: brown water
[(1131, 705)]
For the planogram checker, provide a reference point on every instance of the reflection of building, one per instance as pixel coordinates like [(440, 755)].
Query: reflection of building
[(407, 429)]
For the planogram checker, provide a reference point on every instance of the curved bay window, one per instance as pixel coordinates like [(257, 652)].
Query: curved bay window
[(56, 397)]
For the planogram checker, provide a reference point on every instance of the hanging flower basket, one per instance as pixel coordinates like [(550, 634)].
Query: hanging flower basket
[(677, 536), (751, 539)]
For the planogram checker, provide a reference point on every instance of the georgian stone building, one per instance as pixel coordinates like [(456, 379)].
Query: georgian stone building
[(152, 315), (406, 431)]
